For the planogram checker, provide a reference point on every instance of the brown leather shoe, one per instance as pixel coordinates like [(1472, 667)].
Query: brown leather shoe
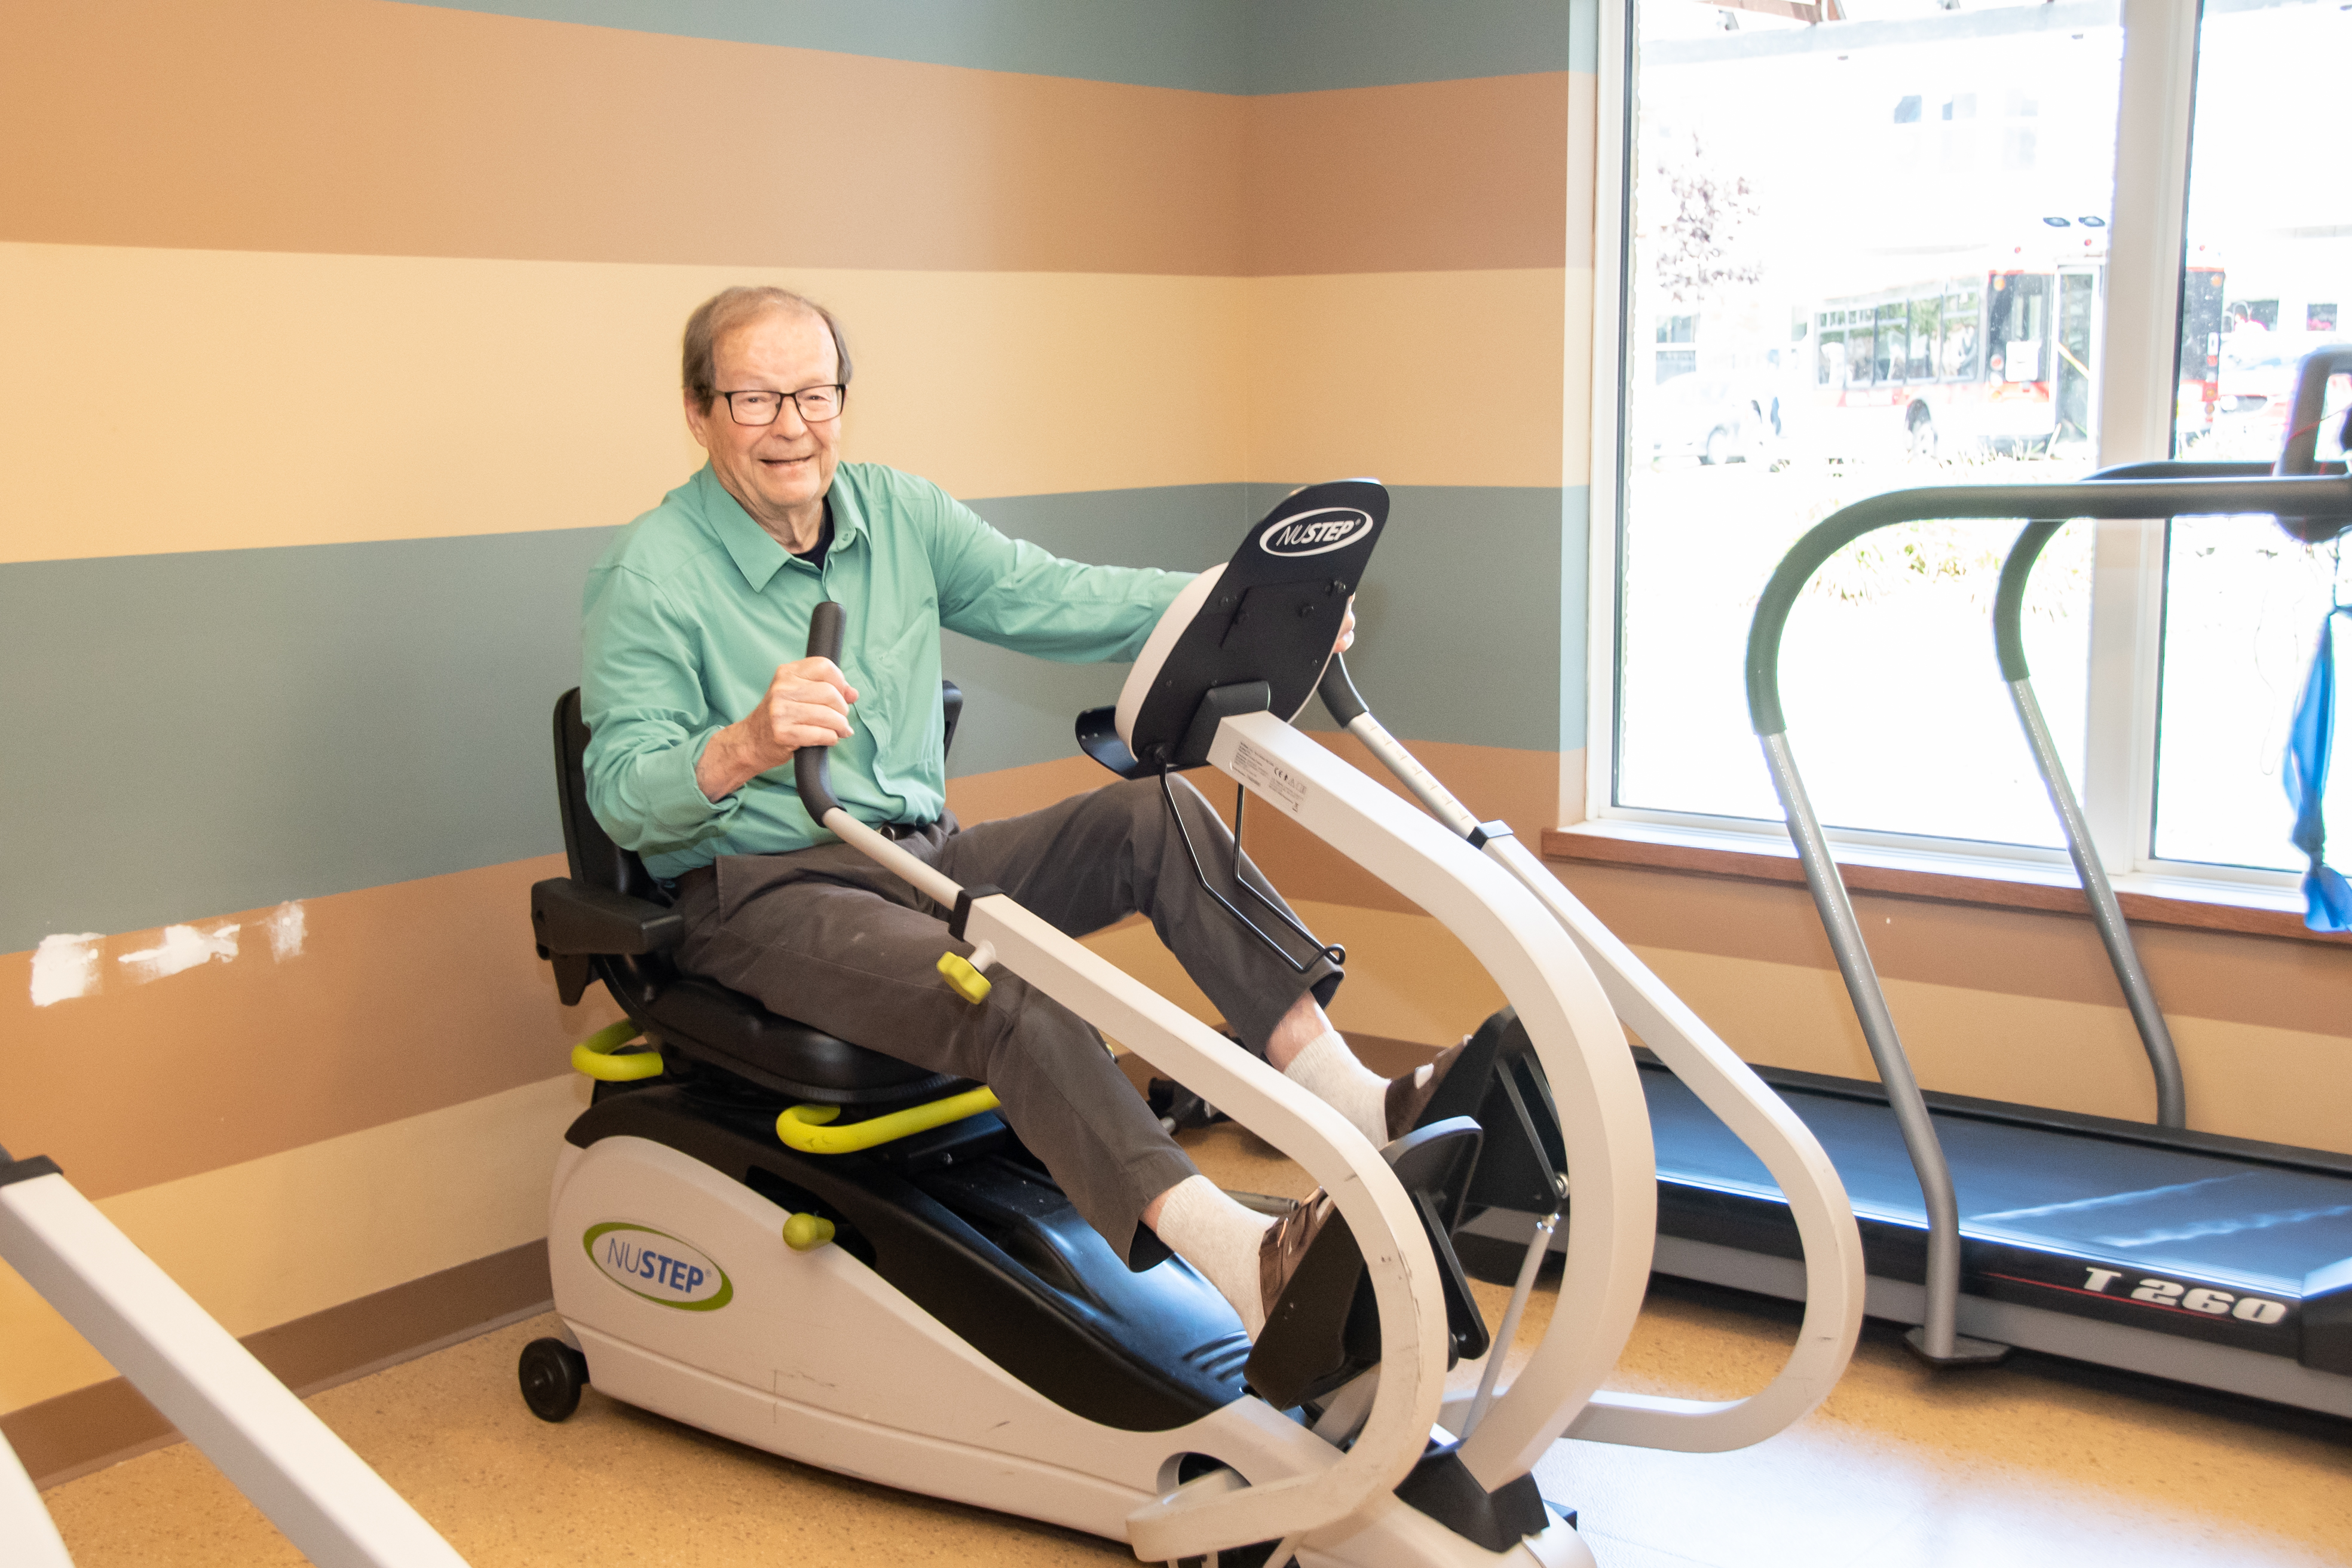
[(1285, 1242), (1409, 1096)]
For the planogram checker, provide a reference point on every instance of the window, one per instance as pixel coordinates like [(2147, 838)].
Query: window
[(2243, 600), (1951, 272), (1768, 187)]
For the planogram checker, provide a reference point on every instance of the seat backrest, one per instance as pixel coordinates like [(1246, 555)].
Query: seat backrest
[(597, 860)]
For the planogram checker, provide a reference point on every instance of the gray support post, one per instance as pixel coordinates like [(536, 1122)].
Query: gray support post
[(2106, 913), (1937, 1339)]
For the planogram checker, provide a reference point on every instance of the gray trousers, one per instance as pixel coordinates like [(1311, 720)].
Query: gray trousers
[(826, 936)]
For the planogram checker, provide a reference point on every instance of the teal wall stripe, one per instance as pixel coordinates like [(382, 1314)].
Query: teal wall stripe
[(1461, 614), (1309, 45), (194, 733), (1472, 615), (1019, 709), (1208, 45)]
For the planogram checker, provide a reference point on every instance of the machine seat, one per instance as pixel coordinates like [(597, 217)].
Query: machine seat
[(610, 920)]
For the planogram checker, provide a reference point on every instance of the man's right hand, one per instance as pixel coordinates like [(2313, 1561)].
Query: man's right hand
[(807, 704)]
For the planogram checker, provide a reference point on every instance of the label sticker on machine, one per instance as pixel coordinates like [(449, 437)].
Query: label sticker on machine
[(2166, 1295), (1316, 533), (1268, 777), (658, 1267)]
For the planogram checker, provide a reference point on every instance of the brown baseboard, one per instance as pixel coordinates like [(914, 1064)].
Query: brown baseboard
[(108, 1421)]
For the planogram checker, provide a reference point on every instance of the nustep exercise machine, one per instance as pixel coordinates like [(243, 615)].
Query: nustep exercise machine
[(812, 1248)]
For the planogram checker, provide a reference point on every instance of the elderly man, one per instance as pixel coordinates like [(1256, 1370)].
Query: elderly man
[(695, 723)]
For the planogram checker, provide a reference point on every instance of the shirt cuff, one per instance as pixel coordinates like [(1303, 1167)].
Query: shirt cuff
[(678, 801)]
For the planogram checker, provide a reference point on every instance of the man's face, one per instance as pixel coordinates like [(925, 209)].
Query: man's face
[(779, 472)]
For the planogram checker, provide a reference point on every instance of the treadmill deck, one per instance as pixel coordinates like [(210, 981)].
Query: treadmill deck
[(2189, 1256)]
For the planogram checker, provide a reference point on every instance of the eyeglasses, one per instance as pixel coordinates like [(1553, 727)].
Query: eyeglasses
[(818, 404)]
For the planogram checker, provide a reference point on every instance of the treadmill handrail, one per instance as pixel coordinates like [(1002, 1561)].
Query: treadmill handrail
[(2090, 871), (2106, 910), (2316, 496), (2131, 500)]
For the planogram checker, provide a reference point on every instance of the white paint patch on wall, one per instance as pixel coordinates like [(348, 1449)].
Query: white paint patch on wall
[(69, 964), (182, 947), (66, 966), (287, 926)]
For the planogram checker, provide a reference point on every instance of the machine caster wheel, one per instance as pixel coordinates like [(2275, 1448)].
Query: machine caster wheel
[(552, 1375)]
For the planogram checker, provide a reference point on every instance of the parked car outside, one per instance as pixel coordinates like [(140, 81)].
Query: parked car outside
[(2253, 389), (1716, 419)]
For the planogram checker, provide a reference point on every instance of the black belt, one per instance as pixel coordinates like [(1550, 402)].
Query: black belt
[(903, 829)]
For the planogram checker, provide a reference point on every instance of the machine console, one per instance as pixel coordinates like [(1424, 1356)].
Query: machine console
[(1268, 616)]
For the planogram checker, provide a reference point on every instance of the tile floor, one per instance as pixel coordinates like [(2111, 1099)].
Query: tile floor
[(2031, 1464)]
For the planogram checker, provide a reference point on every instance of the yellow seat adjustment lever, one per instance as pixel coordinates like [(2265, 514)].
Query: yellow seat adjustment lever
[(808, 1129), (964, 976), (595, 1055)]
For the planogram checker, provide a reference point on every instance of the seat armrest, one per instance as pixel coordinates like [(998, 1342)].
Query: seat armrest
[(569, 918)]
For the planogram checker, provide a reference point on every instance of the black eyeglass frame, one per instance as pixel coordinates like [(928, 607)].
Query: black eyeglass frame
[(838, 388)]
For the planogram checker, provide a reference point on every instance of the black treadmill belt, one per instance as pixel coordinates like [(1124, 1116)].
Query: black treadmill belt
[(2141, 1207)]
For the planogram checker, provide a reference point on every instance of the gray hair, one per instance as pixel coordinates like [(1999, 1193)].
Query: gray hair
[(732, 308)]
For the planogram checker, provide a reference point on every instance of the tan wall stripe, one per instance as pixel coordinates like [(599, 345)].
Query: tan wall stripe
[(1412, 179), (1415, 378), (2274, 983), (498, 396), (405, 999), (353, 126), (357, 127), (2247, 1080), (992, 383), (104, 1422)]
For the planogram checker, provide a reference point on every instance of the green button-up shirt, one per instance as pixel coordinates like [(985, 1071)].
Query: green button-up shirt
[(689, 612)]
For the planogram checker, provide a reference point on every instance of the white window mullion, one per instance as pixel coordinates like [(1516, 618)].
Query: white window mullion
[(1612, 174), (2136, 392)]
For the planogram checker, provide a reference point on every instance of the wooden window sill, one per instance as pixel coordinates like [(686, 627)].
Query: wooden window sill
[(1602, 844)]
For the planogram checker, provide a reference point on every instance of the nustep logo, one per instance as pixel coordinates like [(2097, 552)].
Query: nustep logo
[(1316, 532), (658, 1266)]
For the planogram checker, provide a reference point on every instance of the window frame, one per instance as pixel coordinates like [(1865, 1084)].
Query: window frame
[(2138, 323)]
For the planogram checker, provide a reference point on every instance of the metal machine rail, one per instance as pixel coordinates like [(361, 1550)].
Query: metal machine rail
[(2143, 494)]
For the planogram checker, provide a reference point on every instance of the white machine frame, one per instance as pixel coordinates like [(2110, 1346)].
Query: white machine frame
[(329, 1504), (1832, 1268)]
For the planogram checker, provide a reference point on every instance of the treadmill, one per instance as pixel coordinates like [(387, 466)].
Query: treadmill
[(2211, 1260)]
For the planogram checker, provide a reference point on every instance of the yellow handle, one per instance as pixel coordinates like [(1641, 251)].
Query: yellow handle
[(967, 981), (803, 1127), (593, 1056), (807, 1232)]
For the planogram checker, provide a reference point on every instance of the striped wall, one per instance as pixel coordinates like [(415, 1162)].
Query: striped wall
[(343, 334)]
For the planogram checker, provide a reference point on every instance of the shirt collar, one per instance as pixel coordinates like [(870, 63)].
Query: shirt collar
[(755, 552)]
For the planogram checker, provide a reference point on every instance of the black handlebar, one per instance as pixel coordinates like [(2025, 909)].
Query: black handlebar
[(810, 773), (1339, 695)]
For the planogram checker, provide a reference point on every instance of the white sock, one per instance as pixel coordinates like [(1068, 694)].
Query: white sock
[(1329, 1071), (1219, 1238)]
